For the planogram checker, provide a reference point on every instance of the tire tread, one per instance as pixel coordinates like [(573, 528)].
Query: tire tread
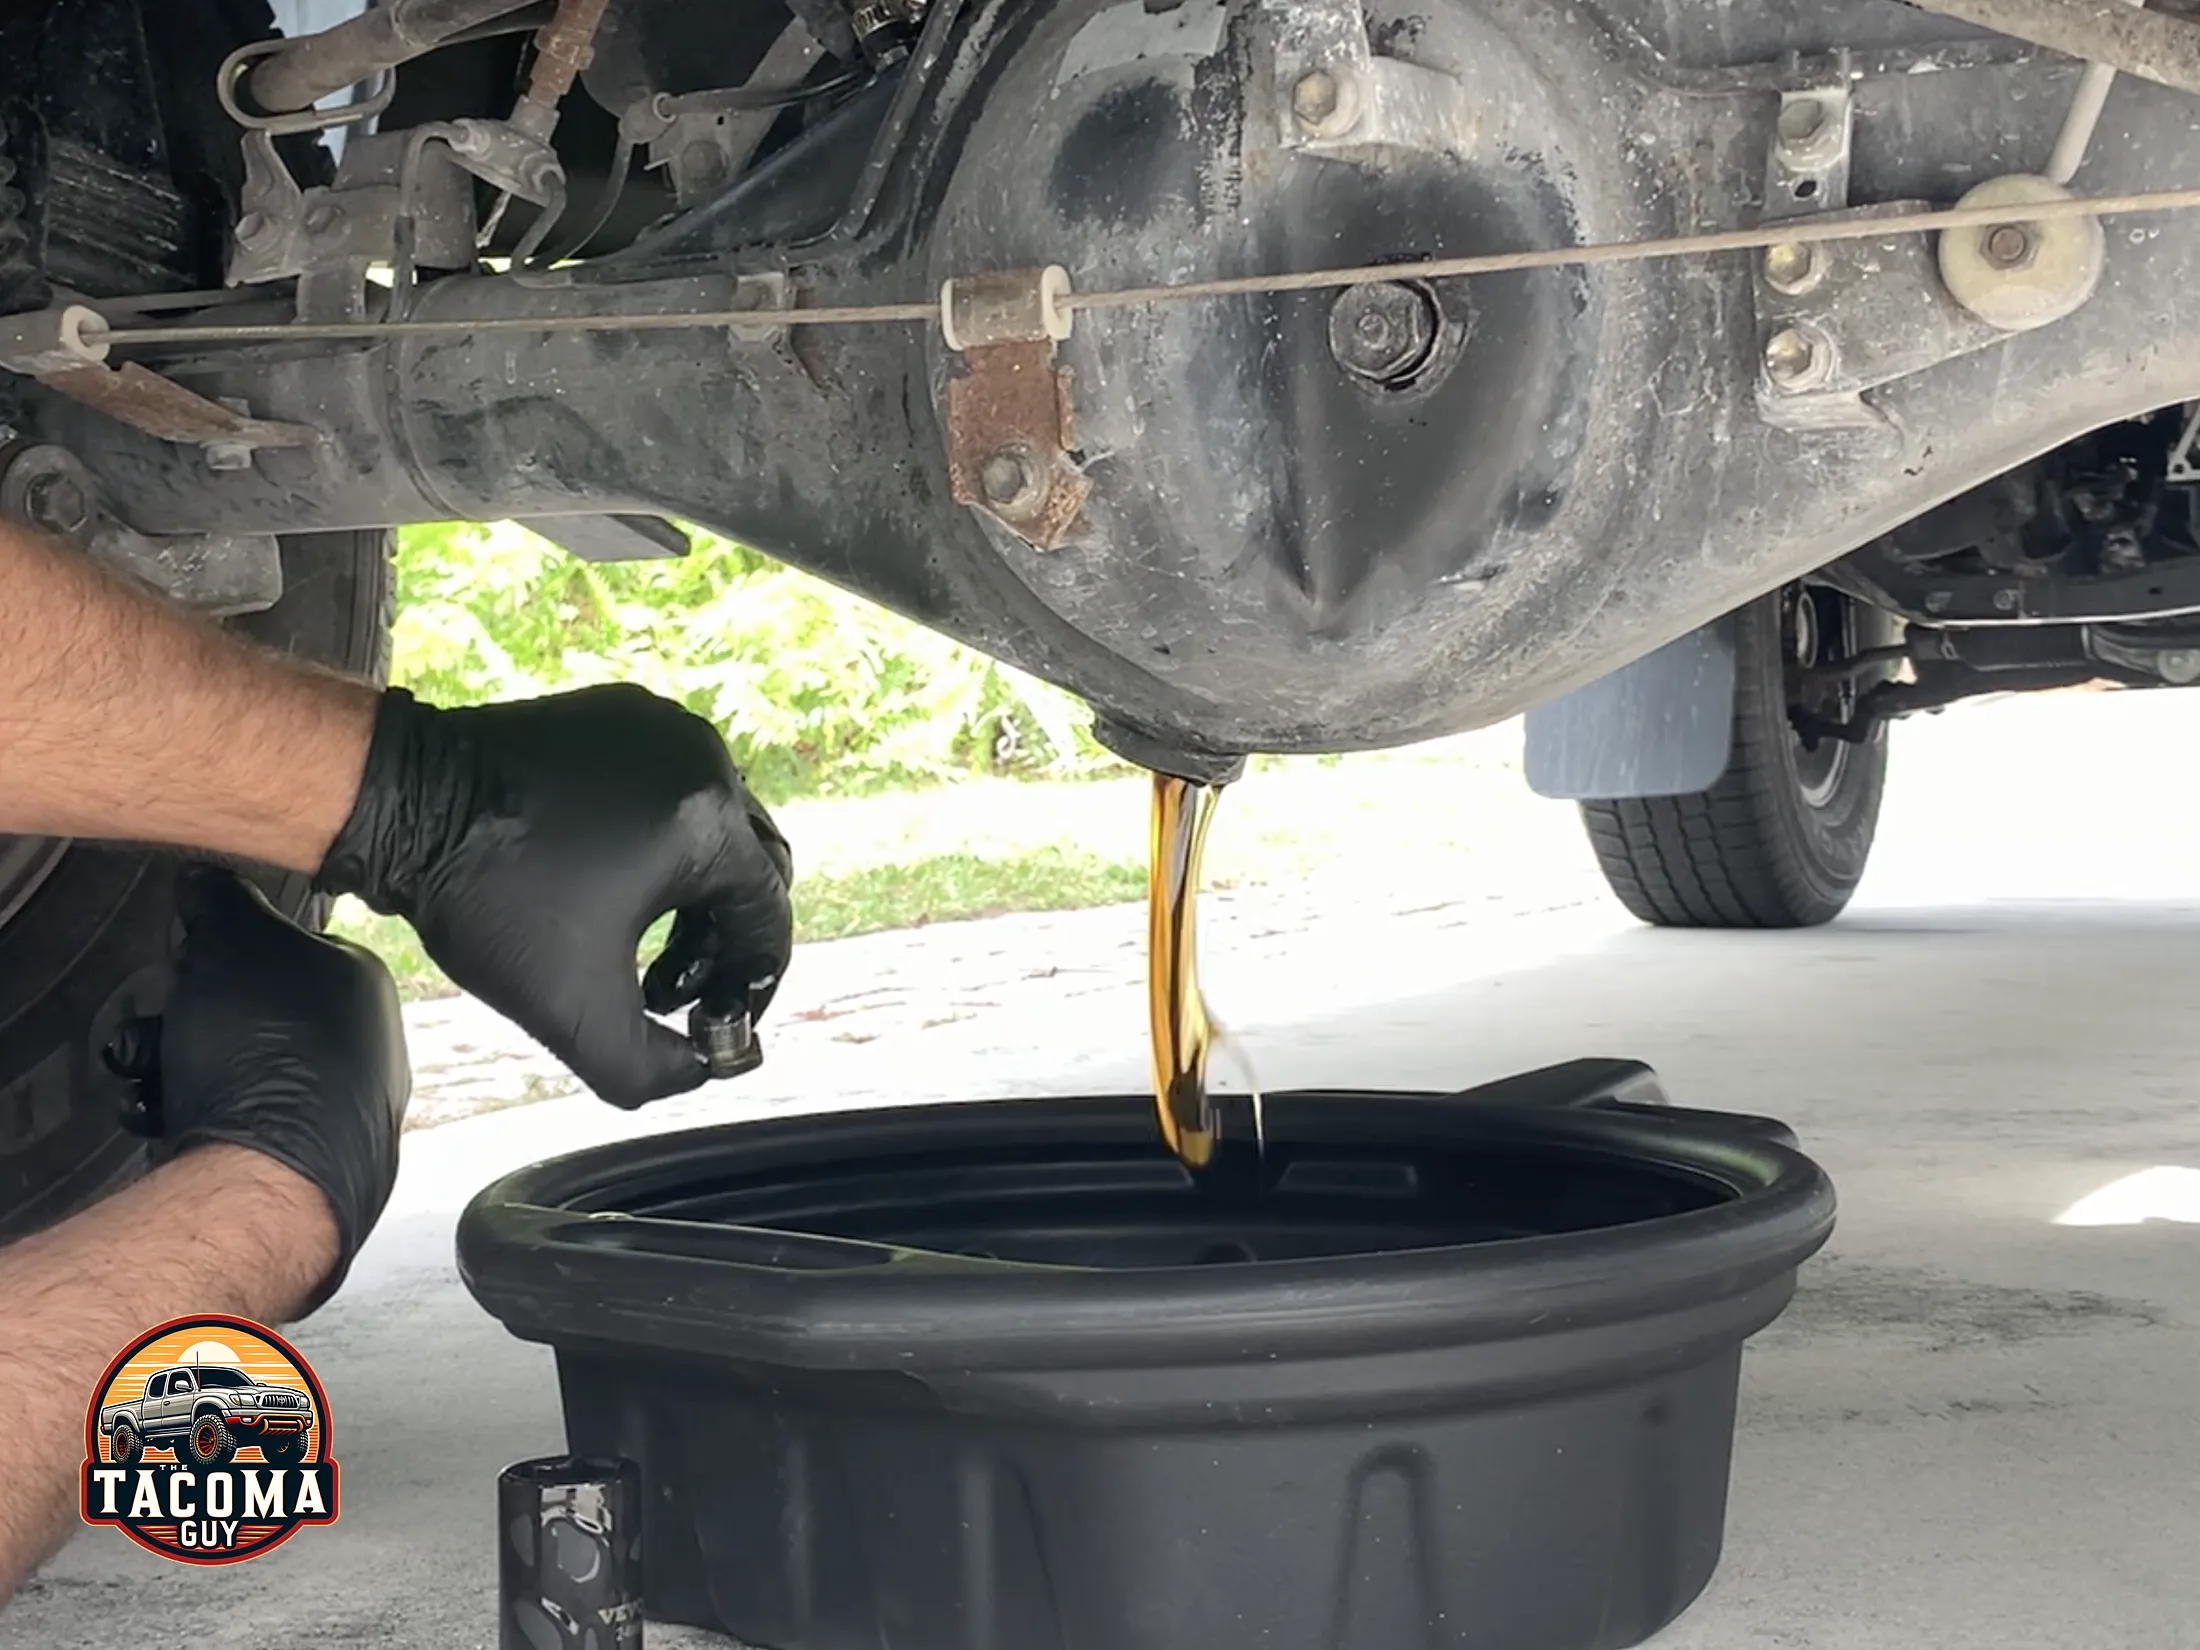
[(1724, 857)]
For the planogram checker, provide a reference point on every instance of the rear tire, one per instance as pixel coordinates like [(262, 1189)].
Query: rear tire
[(89, 946), (1781, 840), (124, 1447)]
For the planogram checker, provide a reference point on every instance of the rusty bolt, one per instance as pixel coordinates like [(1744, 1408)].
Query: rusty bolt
[(1011, 479), (2007, 246), (1796, 359), (1325, 102), (57, 503), (1791, 267)]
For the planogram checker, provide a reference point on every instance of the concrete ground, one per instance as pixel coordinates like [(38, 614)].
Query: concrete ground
[(1976, 1427)]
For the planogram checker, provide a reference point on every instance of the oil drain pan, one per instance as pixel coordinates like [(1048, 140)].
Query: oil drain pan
[(1432, 1370)]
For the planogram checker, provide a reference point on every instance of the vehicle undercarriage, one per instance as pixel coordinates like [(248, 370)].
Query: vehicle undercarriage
[(1287, 521)]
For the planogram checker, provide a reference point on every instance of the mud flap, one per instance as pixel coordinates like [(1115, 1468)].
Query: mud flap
[(1662, 726)]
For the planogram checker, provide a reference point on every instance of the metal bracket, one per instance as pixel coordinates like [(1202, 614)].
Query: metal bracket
[(702, 141), (1010, 426), (384, 179), (1334, 97), (66, 350), (1843, 317), (1807, 169), (509, 160), (216, 573), (1837, 318)]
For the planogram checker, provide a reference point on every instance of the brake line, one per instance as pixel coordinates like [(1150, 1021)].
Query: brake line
[(1786, 232)]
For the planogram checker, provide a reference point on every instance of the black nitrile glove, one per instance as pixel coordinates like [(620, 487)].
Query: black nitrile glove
[(286, 1043), (531, 844)]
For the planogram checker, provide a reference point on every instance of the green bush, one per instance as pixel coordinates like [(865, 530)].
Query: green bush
[(819, 692)]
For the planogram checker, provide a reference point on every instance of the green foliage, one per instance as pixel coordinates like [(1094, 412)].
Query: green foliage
[(839, 905), (820, 692), (954, 887)]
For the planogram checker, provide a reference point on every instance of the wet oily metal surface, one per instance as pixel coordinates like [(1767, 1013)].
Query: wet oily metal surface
[(1182, 1032)]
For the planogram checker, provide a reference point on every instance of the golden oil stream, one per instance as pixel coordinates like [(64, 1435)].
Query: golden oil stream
[(1182, 1029)]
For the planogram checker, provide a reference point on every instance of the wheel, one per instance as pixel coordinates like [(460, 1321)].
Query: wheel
[(84, 930), (124, 1447), (284, 1452), (1781, 840), (208, 1443)]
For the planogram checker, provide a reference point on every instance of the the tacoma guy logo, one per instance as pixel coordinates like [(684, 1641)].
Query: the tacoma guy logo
[(207, 1442)]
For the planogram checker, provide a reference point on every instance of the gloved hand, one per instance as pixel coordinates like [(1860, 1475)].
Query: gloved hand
[(286, 1043), (531, 844)]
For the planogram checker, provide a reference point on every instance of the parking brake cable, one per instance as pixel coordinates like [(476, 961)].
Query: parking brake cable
[(1788, 232)]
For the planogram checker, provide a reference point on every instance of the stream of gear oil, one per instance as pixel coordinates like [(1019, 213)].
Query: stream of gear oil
[(1182, 1030)]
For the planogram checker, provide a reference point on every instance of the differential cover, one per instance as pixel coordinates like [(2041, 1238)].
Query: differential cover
[(1299, 503)]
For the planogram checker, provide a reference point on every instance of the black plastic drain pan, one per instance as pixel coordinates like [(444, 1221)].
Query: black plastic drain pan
[(1430, 1371)]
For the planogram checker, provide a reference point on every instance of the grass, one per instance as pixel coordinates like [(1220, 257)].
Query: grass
[(955, 886), (942, 887)]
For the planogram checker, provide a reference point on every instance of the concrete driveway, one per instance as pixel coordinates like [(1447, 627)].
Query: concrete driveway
[(1976, 1427)]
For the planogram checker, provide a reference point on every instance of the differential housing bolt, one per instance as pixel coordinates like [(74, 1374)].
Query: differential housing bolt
[(2007, 246), (1796, 358), (1010, 478), (1384, 332), (1800, 119), (1325, 102), (1791, 267)]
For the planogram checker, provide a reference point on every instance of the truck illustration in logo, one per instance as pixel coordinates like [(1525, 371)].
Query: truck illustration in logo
[(207, 1441)]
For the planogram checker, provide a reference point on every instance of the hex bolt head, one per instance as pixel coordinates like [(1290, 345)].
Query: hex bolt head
[(1797, 359), (57, 503), (1385, 332), (1010, 478), (1810, 132), (1800, 119), (1314, 98), (228, 456), (2007, 246), (1326, 102), (1791, 267), (2022, 272)]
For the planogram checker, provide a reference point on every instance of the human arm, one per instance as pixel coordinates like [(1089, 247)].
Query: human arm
[(530, 844), (124, 717), (71, 1295), (282, 1090)]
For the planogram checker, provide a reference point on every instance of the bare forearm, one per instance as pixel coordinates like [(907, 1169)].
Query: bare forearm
[(238, 1234), (122, 717)]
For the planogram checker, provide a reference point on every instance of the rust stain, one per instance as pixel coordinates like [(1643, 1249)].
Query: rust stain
[(144, 400), (1013, 396)]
